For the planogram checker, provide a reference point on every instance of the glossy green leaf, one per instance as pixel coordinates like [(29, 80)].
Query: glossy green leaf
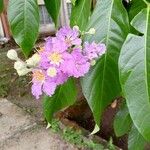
[(101, 85), (134, 64), (135, 8), (80, 13), (23, 16), (122, 122), (135, 140), (64, 96), (1, 5), (53, 8)]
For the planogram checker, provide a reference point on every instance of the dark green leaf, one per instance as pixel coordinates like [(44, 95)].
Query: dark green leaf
[(80, 13), (134, 64), (23, 17), (135, 140), (1, 5), (122, 122), (101, 84), (53, 8), (64, 96), (135, 8)]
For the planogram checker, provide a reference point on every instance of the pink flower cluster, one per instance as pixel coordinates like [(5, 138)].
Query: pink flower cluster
[(62, 57)]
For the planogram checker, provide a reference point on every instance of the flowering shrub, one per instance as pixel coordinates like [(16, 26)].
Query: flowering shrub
[(62, 57), (123, 71)]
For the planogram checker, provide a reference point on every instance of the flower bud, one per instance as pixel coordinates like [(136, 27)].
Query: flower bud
[(92, 31), (34, 60), (19, 65), (76, 28), (12, 54), (51, 71), (23, 72), (93, 62), (68, 1)]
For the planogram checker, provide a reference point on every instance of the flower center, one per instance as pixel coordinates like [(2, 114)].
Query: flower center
[(39, 75), (68, 41), (55, 58), (41, 49)]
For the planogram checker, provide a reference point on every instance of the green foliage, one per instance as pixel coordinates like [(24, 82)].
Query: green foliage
[(55, 125), (110, 145), (23, 16), (80, 13), (134, 66), (101, 85), (64, 96), (73, 2), (53, 8), (1, 5), (122, 122), (135, 8), (75, 136), (135, 140)]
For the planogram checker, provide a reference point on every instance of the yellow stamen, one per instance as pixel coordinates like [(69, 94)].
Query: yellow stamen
[(39, 75), (41, 49), (55, 58)]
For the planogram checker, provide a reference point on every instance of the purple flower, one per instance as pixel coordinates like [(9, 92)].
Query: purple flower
[(69, 36), (76, 64), (53, 54), (42, 83), (93, 50), (61, 58)]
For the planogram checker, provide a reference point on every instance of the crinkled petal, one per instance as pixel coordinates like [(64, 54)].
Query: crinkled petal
[(61, 78), (49, 88), (36, 89)]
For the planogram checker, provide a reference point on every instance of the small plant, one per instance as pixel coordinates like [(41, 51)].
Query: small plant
[(74, 136)]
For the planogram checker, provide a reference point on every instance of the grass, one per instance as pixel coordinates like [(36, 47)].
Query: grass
[(75, 137)]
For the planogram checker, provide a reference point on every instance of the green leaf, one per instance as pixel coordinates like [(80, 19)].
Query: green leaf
[(135, 140), (23, 16), (101, 85), (64, 96), (53, 8), (80, 13), (73, 2), (135, 8), (134, 64), (122, 122), (1, 5)]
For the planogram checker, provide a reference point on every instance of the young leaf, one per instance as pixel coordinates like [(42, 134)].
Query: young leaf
[(101, 85), (134, 64), (1, 5), (135, 140), (53, 8), (122, 122), (80, 13), (23, 16), (64, 96)]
